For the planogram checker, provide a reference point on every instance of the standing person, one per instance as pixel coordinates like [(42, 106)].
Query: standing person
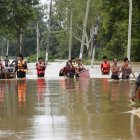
[(1, 68), (73, 61), (7, 62), (79, 67), (21, 67), (40, 67), (136, 87), (115, 69), (105, 66), (69, 70), (126, 70)]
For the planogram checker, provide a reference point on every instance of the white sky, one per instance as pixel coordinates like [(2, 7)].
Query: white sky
[(44, 1)]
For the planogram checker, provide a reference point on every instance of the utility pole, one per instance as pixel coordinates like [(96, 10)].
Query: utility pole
[(37, 42), (84, 29), (49, 30), (129, 30), (70, 37)]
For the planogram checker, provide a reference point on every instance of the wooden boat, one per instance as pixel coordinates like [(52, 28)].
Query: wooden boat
[(84, 73)]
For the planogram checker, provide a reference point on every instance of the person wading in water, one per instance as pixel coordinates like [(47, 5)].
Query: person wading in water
[(69, 70), (136, 89), (7, 62), (126, 70), (105, 66), (40, 67), (21, 67), (79, 67), (115, 69)]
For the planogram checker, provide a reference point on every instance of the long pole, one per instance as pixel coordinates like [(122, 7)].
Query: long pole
[(70, 37), (37, 42), (129, 30)]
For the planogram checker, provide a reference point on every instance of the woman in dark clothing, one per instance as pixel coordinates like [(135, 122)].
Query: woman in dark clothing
[(69, 70), (126, 70)]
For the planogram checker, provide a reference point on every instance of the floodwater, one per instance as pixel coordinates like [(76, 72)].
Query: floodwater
[(67, 109)]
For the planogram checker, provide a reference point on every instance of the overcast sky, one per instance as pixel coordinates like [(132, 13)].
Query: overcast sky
[(44, 1)]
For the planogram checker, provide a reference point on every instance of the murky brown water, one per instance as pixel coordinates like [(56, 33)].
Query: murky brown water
[(84, 109)]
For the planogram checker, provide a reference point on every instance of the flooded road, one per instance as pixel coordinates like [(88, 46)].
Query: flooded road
[(66, 109)]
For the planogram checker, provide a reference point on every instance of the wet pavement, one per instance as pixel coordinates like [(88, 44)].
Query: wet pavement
[(54, 108)]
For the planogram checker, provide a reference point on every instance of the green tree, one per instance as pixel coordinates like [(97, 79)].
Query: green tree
[(16, 17)]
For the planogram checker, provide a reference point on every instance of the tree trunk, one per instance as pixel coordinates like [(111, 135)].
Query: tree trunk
[(48, 36), (37, 42), (7, 50), (19, 41), (20, 47), (84, 29), (70, 37), (94, 33)]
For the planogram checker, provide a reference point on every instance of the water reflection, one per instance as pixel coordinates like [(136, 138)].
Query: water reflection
[(115, 91), (2, 93), (21, 90), (79, 109), (105, 85), (83, 84), (69, 83), (41, 88)]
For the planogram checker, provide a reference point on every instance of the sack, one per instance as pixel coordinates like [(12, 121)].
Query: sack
[(61, 72)]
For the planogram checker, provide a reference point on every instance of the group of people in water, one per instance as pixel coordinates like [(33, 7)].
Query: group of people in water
[(72, 68), (116, 70), (125, 70), (20, 66)]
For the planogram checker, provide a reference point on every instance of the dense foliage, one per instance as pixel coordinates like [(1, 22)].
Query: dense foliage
[(111, 38)]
